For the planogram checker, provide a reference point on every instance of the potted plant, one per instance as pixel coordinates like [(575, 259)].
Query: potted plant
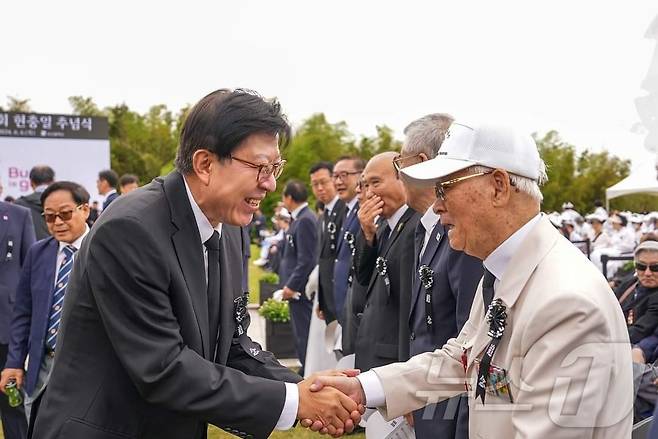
[(269, 283), (279, 338)]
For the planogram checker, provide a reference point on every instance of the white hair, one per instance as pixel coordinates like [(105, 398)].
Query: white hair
[(523, 184), (426, 135)]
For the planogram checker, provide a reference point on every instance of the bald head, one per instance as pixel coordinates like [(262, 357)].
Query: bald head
[(381, 180)]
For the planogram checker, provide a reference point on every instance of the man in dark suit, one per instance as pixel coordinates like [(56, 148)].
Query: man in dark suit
[(299, 258), (444, 281), (16, 237), (35, 322), (329, 225), (107, 186), (385, 264), (40, 177), (154, 333), (346, 174)]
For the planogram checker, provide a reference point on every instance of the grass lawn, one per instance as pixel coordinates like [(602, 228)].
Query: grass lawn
[(254, 275)]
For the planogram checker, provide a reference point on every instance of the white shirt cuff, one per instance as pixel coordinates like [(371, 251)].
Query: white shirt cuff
[(372, 388), (289, 412)]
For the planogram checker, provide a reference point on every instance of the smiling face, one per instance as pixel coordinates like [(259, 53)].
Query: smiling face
[(232, 191), (62, 202), (381, 179), (346, 178)]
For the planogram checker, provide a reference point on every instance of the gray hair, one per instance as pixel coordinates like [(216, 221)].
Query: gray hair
[(523, 184), (426, 134)]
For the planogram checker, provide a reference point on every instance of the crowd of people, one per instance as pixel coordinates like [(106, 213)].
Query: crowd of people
[(433, 266)]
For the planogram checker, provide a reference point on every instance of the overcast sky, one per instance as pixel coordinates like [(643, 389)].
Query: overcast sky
[(574, 66)]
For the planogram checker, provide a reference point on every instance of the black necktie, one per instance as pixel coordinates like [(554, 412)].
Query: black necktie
[(487, 288), (419, 239), (212, 245), (383, 237)]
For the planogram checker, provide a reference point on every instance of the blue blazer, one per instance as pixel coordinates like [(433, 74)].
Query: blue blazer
[(32, 309), (343, 264), (113, 196), (455, 280), (300, 251), (16, 237)]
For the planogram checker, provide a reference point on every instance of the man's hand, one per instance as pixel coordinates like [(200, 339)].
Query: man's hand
[(367, 214), (319, 313), (638, 356), (8, 374), (348, 385), (288, 294), (328, 409)]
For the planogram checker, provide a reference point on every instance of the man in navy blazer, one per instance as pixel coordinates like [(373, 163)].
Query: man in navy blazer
[(440, 307), (16, 237), (299, 258), (66, 208), (107, 184)]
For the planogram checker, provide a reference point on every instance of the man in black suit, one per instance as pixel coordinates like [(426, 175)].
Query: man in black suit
[(444, 281), (330, 223), (16, 237), (300, 253), (153, 339), (40, 177), (385, 264), (107, 186)]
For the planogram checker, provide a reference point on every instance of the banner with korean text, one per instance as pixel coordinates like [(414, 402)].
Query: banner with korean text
[(76, 147)]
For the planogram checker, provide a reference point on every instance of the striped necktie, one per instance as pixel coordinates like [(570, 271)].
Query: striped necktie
[(58, 297)]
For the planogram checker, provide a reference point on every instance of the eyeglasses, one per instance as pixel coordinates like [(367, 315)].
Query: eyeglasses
[(440, 188), (64, 215), (266, 169), (639, 266), (397, 161), (343, 175)]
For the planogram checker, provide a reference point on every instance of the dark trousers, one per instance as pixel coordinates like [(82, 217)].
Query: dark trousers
[(447, 419), (14, 424), (300, 315)]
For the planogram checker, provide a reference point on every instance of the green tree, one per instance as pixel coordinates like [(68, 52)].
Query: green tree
[(85, 106), (17, 105)]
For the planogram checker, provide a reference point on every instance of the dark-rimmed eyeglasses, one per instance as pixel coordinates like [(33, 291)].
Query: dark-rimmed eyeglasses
[(266, 169), (441, 186), (398, 161), (64, 215), (343, 175), (639, 266)]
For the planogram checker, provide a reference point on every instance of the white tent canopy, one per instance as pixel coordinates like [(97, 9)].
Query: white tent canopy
[(642, 180)]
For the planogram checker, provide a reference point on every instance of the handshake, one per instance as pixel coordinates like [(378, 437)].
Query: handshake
[(331, 402)]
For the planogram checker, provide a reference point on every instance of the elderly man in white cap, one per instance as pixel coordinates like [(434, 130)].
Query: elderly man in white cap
[(545, 352)]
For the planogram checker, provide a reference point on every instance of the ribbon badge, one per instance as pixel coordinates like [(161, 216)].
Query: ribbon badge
[(497, 319), (382, 268), (240, 311), (331, 228), (426, 275), (291, 241)]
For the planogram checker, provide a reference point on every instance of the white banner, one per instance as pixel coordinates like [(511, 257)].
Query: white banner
[(78, 160)]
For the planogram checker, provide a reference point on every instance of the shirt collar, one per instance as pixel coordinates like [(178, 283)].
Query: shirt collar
[(40, 188), (499, 259), (331, 204), (205, 228), (77, 243), (112, 191), (299, 208), (395, 218), (350, 204), (429, 219)]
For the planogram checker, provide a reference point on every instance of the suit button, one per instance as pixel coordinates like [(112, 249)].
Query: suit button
[(412, 336)]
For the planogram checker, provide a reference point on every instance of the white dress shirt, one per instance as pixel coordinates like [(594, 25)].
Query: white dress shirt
[(298, 209), (497, 262), (395, 218), (350, 206), (428, 220), (289, 411)]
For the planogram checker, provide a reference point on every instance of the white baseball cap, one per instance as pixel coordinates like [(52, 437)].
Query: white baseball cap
[(493, 146)]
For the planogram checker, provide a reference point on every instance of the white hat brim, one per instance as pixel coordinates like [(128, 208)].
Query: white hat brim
[(428, 172)]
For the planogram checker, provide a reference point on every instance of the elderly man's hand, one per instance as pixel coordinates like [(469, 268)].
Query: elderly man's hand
[(328, 410), (638, 356), (11, 374), (368, 211)]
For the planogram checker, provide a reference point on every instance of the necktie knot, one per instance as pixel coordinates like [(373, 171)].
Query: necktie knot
[(213, 242), (69, 250)]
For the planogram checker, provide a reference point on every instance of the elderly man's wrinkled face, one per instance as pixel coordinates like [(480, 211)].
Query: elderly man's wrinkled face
[(380, 179), (462, 212), (643, 264)]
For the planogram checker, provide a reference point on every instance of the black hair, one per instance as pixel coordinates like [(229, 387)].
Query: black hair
[(42, 174), (110, 176), (358, 162), (321, 165), (127, 179), (79, 193), (296, 190), (222, 120)]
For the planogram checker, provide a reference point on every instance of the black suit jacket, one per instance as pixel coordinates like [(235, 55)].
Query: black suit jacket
[(640, 309), (33, 202), (134, 356), (383, 334), (330, 228)]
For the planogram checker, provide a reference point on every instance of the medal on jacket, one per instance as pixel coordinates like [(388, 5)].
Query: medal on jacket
[(331, 228), (382, 269), (426, 275), (630, 319), (10, 250), (349, 239), (240, 312), (291, 241), (497, 319)]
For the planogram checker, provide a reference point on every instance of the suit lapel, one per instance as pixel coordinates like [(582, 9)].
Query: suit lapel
[(47, 265), (348, 222), (398, 231), (4, 223), (231, 273), (188, 246), (430, 252)]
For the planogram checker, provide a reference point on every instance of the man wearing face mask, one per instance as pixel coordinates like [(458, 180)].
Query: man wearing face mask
[(385, 264)]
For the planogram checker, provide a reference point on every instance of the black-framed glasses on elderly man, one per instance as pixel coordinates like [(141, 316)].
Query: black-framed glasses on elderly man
[(264, 169), (639, 266), (343, 175), (441, 186), (400, 162), (64, 215)]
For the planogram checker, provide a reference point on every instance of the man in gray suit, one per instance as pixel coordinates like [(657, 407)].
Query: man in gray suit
[(16, 237), (153, 339), (41, 177)]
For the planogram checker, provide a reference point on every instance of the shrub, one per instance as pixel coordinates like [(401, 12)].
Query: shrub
[(275, 311)]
